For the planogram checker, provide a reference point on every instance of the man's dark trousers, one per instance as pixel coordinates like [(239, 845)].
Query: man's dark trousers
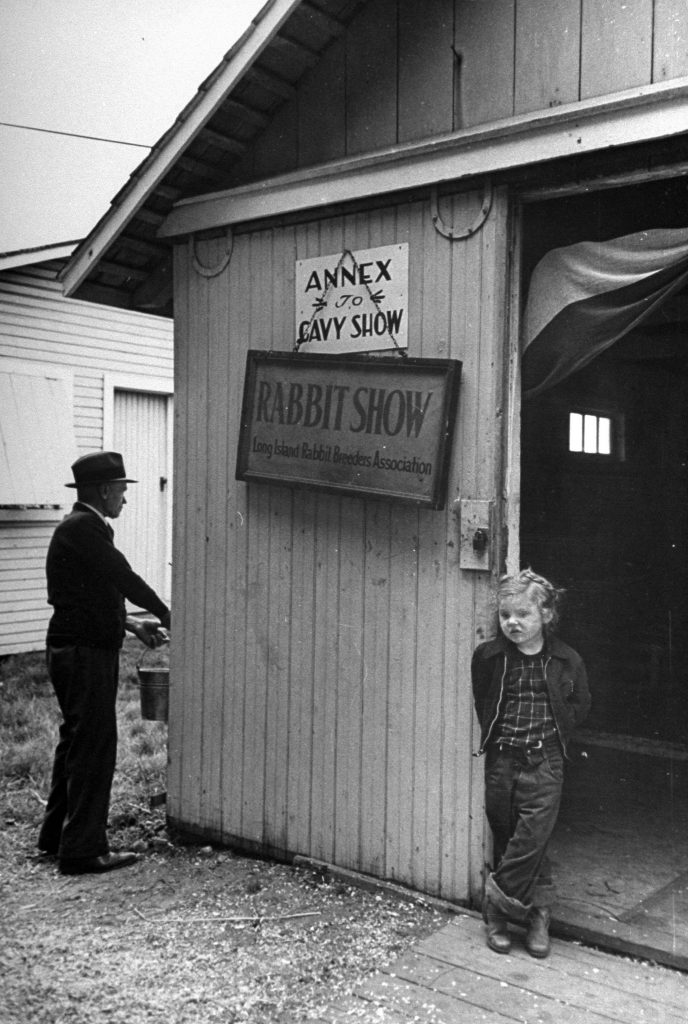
[(85, 684)]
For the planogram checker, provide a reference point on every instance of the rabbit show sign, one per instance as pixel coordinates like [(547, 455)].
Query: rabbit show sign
[(380, 426)]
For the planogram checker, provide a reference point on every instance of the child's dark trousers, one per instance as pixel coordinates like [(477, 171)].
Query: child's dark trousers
[(523, 794)]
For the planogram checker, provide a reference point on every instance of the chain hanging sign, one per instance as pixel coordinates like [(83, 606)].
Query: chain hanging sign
[(354, 301), (380, 426)]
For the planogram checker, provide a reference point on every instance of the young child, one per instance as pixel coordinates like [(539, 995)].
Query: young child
[(530, 692)]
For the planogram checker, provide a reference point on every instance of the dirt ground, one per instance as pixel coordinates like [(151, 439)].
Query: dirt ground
[(188, 934)]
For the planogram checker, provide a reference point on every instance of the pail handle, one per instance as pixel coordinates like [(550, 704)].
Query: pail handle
[(147, 649)]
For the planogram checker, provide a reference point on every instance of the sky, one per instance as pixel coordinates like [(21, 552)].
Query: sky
[(113, 69)]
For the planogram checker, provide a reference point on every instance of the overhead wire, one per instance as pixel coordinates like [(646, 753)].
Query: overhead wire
[(73, 135)]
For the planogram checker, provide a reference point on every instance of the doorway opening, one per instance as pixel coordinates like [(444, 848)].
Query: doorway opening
[(604, 514)]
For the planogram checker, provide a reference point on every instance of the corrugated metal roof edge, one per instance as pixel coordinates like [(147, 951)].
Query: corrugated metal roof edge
[(71, 276)]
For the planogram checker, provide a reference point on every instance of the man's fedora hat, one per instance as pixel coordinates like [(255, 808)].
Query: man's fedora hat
[(100, 468)]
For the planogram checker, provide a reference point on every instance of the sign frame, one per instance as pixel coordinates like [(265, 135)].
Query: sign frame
[(292, 454)]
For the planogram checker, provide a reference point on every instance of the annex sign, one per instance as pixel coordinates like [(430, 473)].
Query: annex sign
[(354, 301), (380, 427)]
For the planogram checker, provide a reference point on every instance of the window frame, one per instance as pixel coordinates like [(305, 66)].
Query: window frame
[(617, 434)]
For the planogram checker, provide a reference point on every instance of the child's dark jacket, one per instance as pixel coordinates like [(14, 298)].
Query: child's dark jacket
[(567, 686)]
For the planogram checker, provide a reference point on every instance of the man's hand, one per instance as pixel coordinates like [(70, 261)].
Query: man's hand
[(148, 631)]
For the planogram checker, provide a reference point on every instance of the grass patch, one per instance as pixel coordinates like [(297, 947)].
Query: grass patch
[(29, 724)]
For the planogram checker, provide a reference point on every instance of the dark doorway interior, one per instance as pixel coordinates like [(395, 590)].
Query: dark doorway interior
[(612, 528)]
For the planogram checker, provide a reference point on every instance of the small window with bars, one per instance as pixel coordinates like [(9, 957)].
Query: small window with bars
[(594, 433)]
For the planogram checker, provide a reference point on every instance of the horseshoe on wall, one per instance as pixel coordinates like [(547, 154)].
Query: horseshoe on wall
[(222, 263), (452, 233)]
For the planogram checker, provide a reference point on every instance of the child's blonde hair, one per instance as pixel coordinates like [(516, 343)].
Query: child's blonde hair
[(546, 595)]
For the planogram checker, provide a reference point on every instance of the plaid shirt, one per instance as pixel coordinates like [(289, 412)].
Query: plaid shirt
[(526, 718)]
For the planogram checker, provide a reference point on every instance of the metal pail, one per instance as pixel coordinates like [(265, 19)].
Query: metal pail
[(154, 684)]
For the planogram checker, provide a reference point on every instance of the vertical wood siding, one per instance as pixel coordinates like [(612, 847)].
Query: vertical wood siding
[(38, 326), (426, 70), (321, 697), (547, 54), (484, 88), (670, 40), (405, 71), (617, 46), (371, 79)]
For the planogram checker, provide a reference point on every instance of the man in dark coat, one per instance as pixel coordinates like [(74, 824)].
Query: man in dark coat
[(88, 581)]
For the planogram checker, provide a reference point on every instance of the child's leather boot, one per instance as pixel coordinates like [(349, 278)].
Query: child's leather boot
[(498, 938), (537, 937)]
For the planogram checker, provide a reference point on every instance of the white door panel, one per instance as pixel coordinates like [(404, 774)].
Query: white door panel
[(142, 432)]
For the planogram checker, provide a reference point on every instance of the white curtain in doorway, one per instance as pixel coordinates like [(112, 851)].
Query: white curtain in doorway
[(585, 297)]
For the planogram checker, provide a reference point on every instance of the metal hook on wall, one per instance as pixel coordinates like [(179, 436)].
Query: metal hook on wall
[(454, 234), (220, 265)]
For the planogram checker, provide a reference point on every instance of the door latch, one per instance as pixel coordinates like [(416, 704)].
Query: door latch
[(480, 540), (475, 534)]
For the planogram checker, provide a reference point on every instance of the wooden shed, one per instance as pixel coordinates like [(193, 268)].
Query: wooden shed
[(322, 641), (74, 377)]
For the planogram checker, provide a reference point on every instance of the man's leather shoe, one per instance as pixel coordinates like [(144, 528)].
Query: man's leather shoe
[(94, 865), (537, 937), (498, 938)]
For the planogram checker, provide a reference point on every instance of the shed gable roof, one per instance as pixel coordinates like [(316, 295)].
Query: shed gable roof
[(122, 261), (395, 106)]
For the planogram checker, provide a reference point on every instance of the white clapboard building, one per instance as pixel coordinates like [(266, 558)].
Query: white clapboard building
[(75, 376)]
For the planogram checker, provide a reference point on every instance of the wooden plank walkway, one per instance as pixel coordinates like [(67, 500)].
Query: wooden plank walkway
[(453, 978)]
